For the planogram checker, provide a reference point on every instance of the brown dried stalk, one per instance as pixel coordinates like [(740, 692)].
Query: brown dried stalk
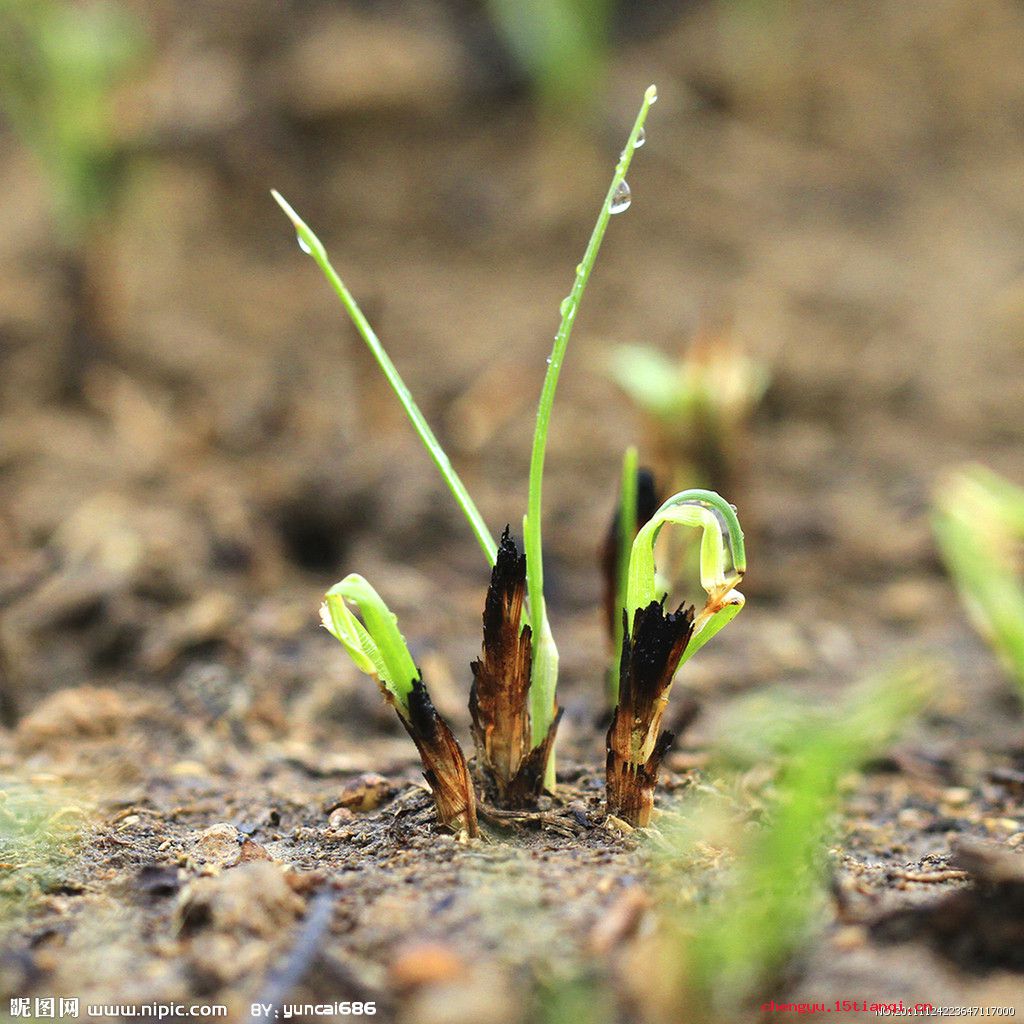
[(444, 764), (650, 656), (511, 771)]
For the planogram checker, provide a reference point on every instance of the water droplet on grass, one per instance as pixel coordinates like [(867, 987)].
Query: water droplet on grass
[(566, 304), (303, 246), (621, 199), (641, 138)]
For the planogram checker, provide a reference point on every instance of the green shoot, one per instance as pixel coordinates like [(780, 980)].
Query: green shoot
[(61, 65), (562, 44), (544, 675), (312, 246), (375, 644), (730, 949), (723, 561), (698, 405), (979, 526), (627, 526), (379, 649)]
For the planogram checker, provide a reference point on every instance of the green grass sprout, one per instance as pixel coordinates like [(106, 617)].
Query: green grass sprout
[(561, 44), (978, 521), (697, 405), (723, 561), (312, 246), (655, 643), (377, 647), (60, 68), (544, 677)]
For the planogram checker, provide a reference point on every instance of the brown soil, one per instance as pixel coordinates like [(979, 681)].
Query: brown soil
[(841, 183)]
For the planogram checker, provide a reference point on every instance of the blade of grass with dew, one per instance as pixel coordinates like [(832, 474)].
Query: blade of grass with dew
[(544, 675), (312, 246), (627, 526)]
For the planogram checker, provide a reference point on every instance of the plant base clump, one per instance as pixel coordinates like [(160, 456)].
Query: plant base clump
[(510, 768), (651, 652)]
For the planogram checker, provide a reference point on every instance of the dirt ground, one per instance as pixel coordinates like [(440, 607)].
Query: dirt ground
[(839, 182)]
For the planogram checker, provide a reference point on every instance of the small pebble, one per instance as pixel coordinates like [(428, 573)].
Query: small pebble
[(957, 796), (217, 844)]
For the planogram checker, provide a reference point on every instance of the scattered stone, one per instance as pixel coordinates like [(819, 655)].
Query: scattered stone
[(621, 922), (364, 793), (254, 899), (979, 927), (157, 881), (428, 963), (251, 851), (339, 816), (217, 845)]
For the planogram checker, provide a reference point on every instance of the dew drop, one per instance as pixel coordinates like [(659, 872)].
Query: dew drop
[(302, 245), (549, 360), (641, 138), (565, 306), (621, 199), (652, 96)]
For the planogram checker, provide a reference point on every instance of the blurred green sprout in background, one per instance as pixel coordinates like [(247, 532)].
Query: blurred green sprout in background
[(60, 70), (698, 405), (726, 946), (562, 45), (978, 521), (740, 870)]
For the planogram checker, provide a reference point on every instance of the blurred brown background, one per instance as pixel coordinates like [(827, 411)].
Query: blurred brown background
[(839, 183), (195, 444)]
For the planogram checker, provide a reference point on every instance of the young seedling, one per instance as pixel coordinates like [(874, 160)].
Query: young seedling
[(378, 649), (503, 707), (698, 406), (978, 522), (655, 643), (61, 65)]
